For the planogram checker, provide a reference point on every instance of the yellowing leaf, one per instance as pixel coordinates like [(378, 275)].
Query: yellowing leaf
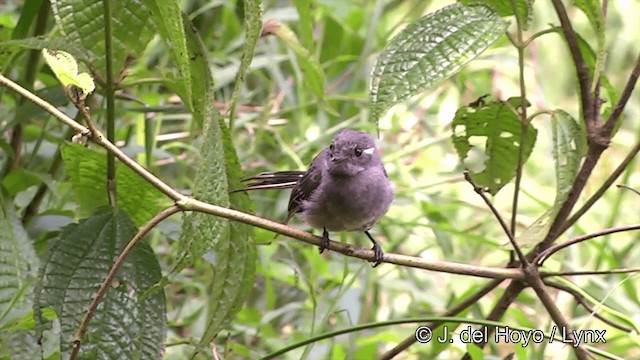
[(65, 67)]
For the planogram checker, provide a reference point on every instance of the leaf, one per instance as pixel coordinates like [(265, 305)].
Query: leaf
[(65, 67), (253, 26), (505, 8), (124, 325), (569, 147), (314, 76), (228, 247), (430, 50), (20, 179), (82, 23), (200, 232), (88, 171), (499, 129), (18, 267), (167, 16)]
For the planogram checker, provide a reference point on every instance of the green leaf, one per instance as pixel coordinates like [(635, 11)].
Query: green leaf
[(65, 67), (474, 351), (20, 179), (167, 16), (430, 50), (82, 23), (253, 27), (18, 268), (314, 76), (505, 8), (228, 247), (88, 171), (18, 262), (499, 129), (305, 23), (200, 232), (77, 261), (569, 147)]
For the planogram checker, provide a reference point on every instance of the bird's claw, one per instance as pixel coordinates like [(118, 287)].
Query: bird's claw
[(378, 254), (325, 241)]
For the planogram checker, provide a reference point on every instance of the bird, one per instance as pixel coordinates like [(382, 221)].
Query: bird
[(346, 188)]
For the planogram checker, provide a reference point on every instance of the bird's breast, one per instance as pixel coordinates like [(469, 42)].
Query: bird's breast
[(352, 203)]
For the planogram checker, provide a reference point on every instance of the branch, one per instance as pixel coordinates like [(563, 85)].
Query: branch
[(584, 80), (495, 212), (581, 300), (543, 256), (111, 102), (104, 286), (624, 98), (545, 274), (533, 277), (605, 186)]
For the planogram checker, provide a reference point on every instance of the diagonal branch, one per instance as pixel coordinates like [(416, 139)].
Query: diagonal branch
[(495, 212), (624, 98), (584, 79), (543, 256)]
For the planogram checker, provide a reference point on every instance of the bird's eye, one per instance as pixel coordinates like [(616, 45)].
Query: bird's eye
[(331, 147), (358, 152)]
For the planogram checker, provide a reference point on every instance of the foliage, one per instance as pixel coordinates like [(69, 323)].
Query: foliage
[(526, 100)]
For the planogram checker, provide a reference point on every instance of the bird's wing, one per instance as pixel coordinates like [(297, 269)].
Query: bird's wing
[(306, 185)]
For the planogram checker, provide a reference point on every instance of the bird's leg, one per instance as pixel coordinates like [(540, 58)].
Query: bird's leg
[(325, 240), (378, 254)]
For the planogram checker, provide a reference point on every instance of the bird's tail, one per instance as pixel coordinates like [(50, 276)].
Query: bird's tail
[(272, 180)]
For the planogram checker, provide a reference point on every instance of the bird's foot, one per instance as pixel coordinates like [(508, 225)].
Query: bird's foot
[(325, 240), (378, 254)]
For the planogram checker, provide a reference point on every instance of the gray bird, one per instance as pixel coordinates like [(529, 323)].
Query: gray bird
[(345, 189)]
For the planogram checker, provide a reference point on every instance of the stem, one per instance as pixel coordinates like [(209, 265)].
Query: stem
[(584, 79), (523, 118), (605, 186), (624, 98), (110, 96), (543, 256), (495, 212), (104, 286)]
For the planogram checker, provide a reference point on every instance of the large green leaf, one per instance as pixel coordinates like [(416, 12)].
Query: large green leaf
[(88, 171), (498, 127), (569, 147), (228, 247), (253, 27), (125, 325), (82, 23), (167, 16), (431, 50), (18, 267), (524, 8)]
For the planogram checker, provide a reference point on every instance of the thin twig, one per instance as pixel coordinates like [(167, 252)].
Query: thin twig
[(111, 101), (543, 256), (104, 286), (523, 118), (495, 212), (624, 98), (582, 69), (605, 186), (582, 301), (626, 187), (546, 274)]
